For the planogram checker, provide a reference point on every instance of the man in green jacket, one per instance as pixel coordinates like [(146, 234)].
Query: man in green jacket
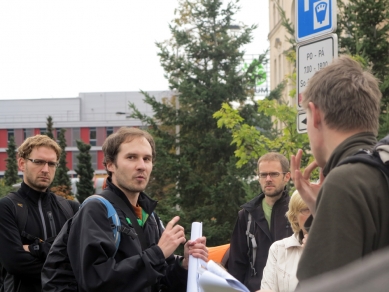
[(350, 204)]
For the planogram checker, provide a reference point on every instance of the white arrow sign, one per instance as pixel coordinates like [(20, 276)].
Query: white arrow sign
[(301, 122)]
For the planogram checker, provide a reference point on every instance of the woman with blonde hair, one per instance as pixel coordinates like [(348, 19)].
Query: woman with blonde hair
[(279, 275)]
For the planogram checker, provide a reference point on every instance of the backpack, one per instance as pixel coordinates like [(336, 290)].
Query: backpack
[(57, 274), (21, 210), (377, 157)]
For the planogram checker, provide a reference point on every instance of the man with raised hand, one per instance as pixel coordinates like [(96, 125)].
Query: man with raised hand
[(144, 260), (350, 203)]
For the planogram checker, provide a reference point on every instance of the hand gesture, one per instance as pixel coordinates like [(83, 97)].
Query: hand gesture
[(308, 191), (172, 237)]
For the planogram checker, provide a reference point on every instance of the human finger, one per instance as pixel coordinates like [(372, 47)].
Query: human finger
[(172, 222), (308, 170)]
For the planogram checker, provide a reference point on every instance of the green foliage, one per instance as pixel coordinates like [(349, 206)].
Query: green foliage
[(363, 30), (4, 188), (195, 173), (49, 127), (61, 175), (11, 173), (251, 143), (85, 172)]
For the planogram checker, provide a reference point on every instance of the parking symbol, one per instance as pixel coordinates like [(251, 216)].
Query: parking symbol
[(321, 15)]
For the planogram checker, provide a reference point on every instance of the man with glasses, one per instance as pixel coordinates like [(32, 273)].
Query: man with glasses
[(261, 222), (23, 249)]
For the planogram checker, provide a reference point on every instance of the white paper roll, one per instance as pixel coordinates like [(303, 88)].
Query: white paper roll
[(192, 286)]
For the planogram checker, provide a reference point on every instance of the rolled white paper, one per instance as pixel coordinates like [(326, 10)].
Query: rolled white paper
[(192, 286)]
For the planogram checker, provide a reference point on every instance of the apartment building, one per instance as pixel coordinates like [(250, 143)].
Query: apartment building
[(90, 117)]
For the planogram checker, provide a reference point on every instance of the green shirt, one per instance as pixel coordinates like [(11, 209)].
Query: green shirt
[(267, 210)]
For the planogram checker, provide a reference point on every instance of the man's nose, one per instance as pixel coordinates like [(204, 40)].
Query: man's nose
[(141, 164), (45, 167)]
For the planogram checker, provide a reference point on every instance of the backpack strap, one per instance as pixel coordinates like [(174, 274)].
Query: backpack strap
[(112, 216), (251, 238), (119, 203), (65, 206)]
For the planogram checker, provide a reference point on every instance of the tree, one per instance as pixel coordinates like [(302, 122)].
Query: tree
[(85, 172), (11, 173), (195, 174), (363, 29), (4, 188), (49, 127), (61, 175)]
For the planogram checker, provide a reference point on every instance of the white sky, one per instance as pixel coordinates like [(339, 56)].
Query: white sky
[(59, 48)]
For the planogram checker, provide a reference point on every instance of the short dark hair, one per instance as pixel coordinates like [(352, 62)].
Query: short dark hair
[(275, 156), (111, 146), (348, 95)]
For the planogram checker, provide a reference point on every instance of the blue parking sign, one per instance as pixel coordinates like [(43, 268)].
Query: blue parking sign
[(315, 18)]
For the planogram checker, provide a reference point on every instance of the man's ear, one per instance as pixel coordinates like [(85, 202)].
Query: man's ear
[(287, 177), (21, 164), (315, 115), (110, 166)]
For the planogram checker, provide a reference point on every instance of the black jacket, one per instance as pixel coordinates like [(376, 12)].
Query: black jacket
[(91, 251), (21, 269), (239, 262)]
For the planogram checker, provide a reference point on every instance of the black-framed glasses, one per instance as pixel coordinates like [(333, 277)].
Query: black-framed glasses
[(305, 211), (271, 174), (41, 162)]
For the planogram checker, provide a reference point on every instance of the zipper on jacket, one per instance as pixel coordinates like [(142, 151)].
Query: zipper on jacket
[(42, 218), (52, 224)]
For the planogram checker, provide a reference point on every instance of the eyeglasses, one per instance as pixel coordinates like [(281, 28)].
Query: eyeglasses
[(271, 174), (305, 211), (41, 162)]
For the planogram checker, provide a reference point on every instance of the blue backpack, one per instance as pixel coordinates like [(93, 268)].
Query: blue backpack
[(57, 273), (111, 214)]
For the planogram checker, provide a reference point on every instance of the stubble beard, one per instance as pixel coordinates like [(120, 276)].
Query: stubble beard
[(275, 193)]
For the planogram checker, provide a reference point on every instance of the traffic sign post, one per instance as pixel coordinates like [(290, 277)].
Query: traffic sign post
[(301, 122), (312, 57), (315, 18)]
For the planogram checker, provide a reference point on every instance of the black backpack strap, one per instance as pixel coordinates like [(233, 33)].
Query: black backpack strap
[(65, 206), (119, 203), (21, 210)]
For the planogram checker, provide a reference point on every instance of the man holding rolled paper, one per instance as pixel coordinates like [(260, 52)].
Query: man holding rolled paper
[(144, 260)]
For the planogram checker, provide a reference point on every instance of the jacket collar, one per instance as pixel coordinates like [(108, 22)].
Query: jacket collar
[(254, 203), (31, 194), (364, 140), (292, 241), (144, 201)]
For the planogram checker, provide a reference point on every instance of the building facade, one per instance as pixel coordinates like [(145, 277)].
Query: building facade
[(280, 67), (90, 117)]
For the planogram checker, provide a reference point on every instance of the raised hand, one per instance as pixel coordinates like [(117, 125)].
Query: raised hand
[(172, 237), (308, 190)]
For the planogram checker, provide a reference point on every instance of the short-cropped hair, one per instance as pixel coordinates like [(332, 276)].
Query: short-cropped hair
[(111, 145), (296, 204), (348, 96), (30, 143), (275, 156)]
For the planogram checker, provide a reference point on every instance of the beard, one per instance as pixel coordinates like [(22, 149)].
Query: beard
[(274, 193)]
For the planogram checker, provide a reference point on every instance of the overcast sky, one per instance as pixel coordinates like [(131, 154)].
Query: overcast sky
[(58, 48)]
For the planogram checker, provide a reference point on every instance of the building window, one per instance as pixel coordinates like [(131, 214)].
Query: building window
[(109, 131), (75, 136), (58, 131), (42, 131), (75, 159), (11, 133), (93, 155), (92, 136), (27, 133)]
